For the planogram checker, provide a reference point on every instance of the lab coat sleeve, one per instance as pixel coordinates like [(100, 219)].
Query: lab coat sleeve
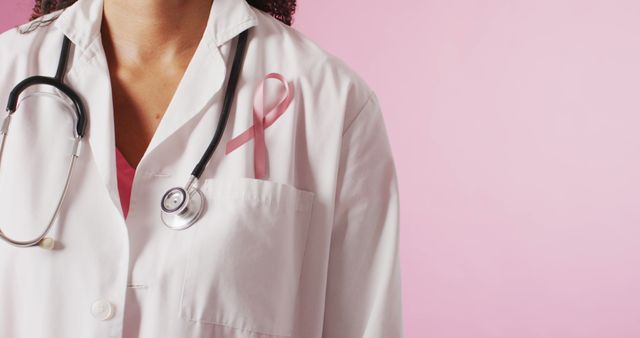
[(363, 297)]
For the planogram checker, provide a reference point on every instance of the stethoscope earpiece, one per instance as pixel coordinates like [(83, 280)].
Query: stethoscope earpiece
[(47, 243)]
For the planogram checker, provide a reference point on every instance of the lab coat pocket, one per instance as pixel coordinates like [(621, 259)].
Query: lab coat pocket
[(245, 262)]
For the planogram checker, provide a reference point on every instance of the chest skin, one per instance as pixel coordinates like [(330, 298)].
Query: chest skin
[(142, 86), (140, 99)]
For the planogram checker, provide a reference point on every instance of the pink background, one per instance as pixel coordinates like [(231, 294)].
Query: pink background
[(515, 126)]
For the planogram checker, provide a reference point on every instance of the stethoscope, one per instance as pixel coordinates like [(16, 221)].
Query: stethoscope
[(180, 207)]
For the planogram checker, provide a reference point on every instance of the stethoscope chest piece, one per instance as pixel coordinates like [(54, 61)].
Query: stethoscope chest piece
[(181, 208)]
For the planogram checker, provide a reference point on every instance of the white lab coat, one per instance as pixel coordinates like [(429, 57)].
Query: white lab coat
[(310, 251)]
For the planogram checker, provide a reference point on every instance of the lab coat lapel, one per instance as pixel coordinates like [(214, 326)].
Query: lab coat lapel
[(88, 75), (91, 77), (204, 80), (200, 86)]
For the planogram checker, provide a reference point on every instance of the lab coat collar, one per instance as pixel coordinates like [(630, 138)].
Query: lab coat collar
[(81, 22), (89, 74)]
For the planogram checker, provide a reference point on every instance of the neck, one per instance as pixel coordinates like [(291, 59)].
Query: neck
[(160, 31)]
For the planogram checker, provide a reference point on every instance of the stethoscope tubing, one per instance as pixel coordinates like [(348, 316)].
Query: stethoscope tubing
[(175, 220), (57, 82), (190, 200), (38, 240), (226, 105), (80, 118)]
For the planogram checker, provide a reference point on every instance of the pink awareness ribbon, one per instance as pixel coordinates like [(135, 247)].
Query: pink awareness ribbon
[(262, 119)]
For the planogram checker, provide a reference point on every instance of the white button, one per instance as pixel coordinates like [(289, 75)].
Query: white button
[(102, 309)]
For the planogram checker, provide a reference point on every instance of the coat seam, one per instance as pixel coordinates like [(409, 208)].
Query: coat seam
[(363, 106)]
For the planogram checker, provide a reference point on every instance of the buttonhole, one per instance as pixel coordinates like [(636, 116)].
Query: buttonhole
[(136, 286)]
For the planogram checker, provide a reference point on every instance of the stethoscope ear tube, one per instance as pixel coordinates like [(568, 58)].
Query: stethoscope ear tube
[(81, 121), (80, 117), (57, 82), (42, 240)]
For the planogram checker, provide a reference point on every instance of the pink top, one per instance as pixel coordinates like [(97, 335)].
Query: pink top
[(125, 180)]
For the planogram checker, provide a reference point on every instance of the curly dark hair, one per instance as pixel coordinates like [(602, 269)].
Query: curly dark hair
[(282, 10)]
